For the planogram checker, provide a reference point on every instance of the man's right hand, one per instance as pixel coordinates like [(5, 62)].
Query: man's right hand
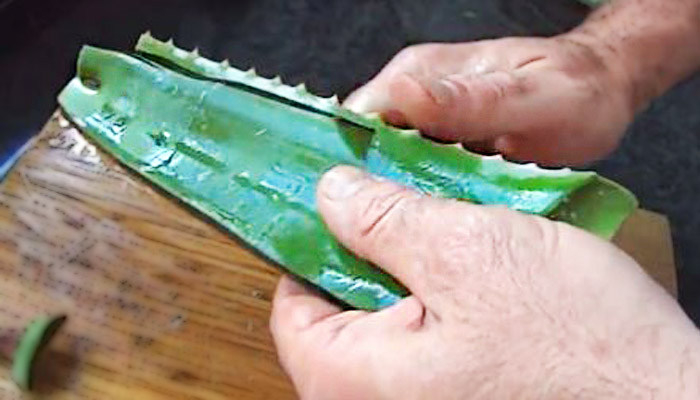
[(504, 305)]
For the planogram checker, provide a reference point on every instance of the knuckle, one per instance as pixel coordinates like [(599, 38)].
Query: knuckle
[(521, 85), (502, 85), (413, 54), (408, 53), (495, 89), (404, 57), (383, 211)]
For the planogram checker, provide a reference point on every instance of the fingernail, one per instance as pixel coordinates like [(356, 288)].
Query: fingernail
[(342, 182)]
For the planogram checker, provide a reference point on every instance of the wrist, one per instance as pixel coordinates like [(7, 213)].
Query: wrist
[(649, 45)]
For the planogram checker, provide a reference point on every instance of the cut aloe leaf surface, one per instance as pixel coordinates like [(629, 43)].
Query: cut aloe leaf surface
[(36, 337), (248, 152)]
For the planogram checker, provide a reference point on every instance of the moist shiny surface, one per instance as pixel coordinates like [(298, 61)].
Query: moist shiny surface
[(251, 162)]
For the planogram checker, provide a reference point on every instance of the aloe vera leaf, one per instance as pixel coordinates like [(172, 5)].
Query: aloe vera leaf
[(37, 335), (192, 62), (601, 210), (248, 162), (244, 151)]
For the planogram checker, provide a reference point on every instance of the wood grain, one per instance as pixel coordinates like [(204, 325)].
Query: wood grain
[(161, 303)]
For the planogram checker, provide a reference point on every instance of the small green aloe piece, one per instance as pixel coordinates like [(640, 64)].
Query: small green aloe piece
[(248, 151), (36, 337), (593, 3)]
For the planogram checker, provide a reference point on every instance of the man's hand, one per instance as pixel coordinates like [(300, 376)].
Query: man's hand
[(554, 101), (503, 306), (560, 100)]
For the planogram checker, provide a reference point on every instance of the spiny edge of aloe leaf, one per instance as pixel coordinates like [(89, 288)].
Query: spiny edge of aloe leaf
[(299, 93), (496, 158), (376, 122), (210, 69), (36, 337), (147, 43), (223, 70)]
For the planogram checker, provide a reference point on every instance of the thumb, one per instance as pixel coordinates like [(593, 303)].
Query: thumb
[(378, 220)]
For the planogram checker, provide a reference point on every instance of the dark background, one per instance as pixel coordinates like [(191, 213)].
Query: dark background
[(334, 46)]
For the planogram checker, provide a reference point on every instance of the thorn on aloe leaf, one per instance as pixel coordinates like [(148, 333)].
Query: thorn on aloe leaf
[(170, 43), (225, 64), (276, 80), (251, 72), (373, 116), (195, 52), (334, 100), (497, 157), (413, 132), (301, 88), (36, 337), (147, 34)]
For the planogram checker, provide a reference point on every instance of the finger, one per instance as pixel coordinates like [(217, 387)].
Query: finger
[(463, 107), (552, 149), (532, 149), (374, 96), (428, 60), (409, 314), (484, 147), (378, 220), (454, 106), (295, 308), (304, 326)]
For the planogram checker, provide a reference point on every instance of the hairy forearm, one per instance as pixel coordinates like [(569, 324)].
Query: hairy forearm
[(654, 42)]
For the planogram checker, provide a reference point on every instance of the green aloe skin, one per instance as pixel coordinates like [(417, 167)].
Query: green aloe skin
[(37, 335), (248, 151)]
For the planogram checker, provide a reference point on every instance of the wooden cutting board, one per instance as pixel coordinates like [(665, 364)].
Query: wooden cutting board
[(161, 303)]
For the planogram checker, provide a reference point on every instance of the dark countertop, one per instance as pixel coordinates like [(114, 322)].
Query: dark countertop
[(334, 46)]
